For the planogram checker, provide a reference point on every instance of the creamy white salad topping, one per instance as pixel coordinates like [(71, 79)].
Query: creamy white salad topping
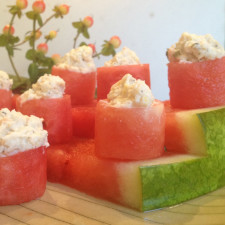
[(124, 57), (5, 82), (129, 92), (79, 60), (47, 86), (195, 48), (19, 133)]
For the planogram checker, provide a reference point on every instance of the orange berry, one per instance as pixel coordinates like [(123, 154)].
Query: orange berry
[(88, 21), (43, 47), (38, 6), (22, 4), (56, 58), (64, 9), (115, 41), (52, 34), (6, 30), (37, 34)]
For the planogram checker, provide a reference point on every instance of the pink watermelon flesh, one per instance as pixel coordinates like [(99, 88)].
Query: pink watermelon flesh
[(83, 120), (77, 166)]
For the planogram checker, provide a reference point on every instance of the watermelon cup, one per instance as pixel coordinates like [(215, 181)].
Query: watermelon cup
[(23, 176), (107, 76), (6, 99), (80, 86), (56, 113), (135, 133), (197, 84), (144, 185)]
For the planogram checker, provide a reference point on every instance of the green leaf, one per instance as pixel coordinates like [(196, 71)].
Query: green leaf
[(43, 71), (31, 41), (85, 32), (14, 10), (44, 61), (40, 57), (3, 40), (13, 39), (19, 13), (47, 37), (39, 19), (58, 15), (19, 86), (77, 25), (113, 52), (83, 43), (30, 15), (10, 50), (33, 72), (30, 54), (108, 49), (48, 62), (57, 12), (28, 37)]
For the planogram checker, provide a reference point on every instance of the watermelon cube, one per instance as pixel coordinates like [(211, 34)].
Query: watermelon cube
[(83, 120)]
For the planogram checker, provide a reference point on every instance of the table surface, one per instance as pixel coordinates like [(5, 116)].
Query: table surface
[(61, 205)]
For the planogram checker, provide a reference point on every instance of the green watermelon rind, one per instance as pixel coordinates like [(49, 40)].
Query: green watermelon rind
[(170, 184), (213, 124)]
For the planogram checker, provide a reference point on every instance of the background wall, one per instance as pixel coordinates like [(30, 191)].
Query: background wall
[(148, 27)]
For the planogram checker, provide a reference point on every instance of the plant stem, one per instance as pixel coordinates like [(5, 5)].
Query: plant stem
[(21, 43), (10, 57), (34, 33), (46, 21), (33, 37), (97, 54), (11, 23), (14, 68), (75, 39)]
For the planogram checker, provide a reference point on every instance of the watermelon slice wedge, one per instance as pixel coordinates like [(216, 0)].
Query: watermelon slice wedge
[(183, 130), (144, 185)]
